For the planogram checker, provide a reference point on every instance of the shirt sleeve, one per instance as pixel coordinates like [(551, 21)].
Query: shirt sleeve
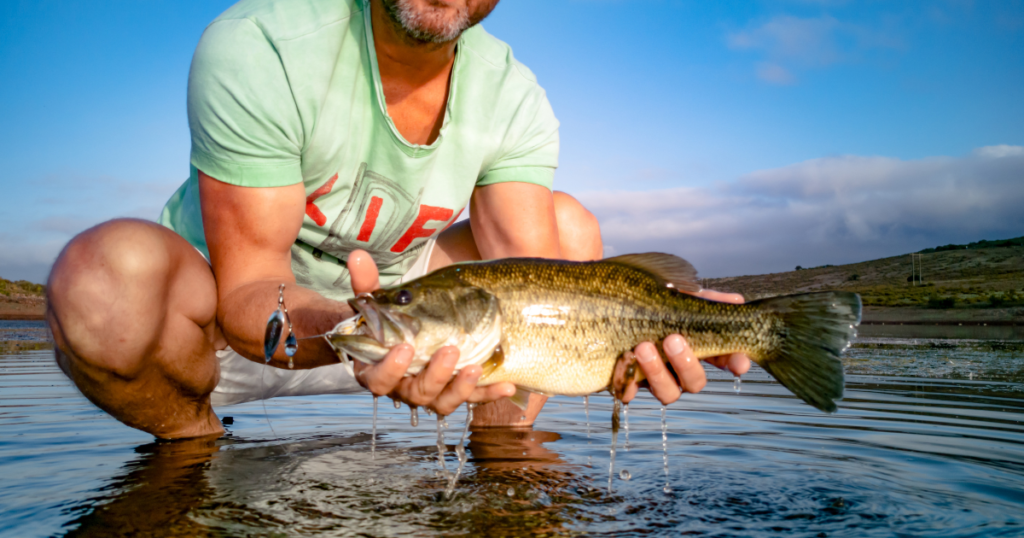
[(245, 126), (531, 146)]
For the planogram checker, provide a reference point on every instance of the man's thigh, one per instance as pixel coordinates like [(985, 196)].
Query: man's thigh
[(132, 307)]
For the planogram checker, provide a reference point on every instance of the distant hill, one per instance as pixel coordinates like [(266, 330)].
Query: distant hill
[(22, 299), (971, 282), (1015, 242)]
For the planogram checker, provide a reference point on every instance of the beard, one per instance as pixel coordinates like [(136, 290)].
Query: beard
[(432, 24)]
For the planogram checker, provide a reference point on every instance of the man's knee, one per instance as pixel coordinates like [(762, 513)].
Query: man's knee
[(578, 229), (107, 293)]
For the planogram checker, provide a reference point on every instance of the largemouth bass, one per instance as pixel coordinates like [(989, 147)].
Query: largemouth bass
[(558, 327)]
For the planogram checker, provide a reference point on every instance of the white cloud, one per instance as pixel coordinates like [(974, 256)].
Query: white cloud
[(829, 210), (787, 43), (64, 206), (775, 74), (1001, 150)]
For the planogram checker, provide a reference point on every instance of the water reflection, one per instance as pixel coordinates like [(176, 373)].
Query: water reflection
[(208, 487), (928, 441), (154, 495)]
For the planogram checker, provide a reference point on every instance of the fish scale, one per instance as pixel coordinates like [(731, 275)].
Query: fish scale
[(611, 305)]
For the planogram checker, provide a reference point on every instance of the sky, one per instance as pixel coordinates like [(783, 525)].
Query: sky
[(747, 137)]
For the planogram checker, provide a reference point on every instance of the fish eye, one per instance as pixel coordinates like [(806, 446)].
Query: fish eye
[(403, 297)]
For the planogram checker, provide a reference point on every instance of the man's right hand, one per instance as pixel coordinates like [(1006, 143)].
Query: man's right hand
[(437, 387)]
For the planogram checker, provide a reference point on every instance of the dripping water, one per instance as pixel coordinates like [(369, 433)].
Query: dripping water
[(398, 404), (441, 448), (586, 411), (414, 416), (736, 381), (373, 434), (615, 437), (664, 449), (460, 451), (625, 425)]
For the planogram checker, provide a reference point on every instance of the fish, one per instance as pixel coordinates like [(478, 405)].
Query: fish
[(557, 327)]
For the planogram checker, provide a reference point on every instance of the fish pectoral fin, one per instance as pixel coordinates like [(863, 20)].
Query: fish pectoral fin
[(671, 270), (521, 398)]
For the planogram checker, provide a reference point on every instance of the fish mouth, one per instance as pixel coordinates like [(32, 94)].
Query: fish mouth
[(383, 324)]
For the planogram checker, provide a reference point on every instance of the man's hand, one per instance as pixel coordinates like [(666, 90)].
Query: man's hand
[(690, 375), (434, 387)]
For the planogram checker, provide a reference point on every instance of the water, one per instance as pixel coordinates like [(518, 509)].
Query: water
[(929, 442)]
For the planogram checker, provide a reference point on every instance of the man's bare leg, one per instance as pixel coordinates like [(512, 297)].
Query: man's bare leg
[(132, 308), (579, 237)]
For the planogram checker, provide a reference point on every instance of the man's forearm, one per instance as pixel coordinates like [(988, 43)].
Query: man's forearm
[(243, 314)]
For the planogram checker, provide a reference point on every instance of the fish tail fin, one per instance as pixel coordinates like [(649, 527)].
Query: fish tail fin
[(816, 329)]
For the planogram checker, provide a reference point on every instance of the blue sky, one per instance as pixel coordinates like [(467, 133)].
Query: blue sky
[(749, 137)]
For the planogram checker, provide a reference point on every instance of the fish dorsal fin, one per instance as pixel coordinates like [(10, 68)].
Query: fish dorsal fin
[(670, 270)]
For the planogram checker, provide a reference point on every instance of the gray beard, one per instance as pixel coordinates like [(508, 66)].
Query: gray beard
[(430, 25)]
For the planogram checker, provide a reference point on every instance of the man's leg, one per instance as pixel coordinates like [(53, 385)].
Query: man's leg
[(579, 238), (132, 307)]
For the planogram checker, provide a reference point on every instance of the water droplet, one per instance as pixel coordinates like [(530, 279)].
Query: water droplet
[(624, 474), (414, 416), (398, 404), (667, 489), (511, 492), (524, 452), (736, 384), (430, 412), (522, 418)]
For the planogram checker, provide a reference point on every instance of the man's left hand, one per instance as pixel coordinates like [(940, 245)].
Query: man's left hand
[(689, 373)]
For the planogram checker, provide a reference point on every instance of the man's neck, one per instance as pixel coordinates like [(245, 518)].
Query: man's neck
[(403, 57), (415, 78)]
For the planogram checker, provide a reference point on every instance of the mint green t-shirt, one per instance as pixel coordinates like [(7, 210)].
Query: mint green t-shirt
[(288, 91)]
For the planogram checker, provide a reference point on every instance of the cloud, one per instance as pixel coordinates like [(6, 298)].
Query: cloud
[(831, 210), (787, 43), (775, 74), (59, 206)]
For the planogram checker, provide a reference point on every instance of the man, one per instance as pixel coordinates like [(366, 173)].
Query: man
[(323, 130)]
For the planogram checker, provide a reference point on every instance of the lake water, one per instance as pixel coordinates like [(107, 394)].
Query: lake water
[(929, 441)]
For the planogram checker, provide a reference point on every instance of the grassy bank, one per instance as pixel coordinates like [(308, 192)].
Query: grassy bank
[(942, 285), (22, 300)]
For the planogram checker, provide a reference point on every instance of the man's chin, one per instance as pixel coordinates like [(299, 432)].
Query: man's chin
[(433, 21)]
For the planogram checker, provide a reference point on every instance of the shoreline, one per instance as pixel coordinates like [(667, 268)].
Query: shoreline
[(22, 317)]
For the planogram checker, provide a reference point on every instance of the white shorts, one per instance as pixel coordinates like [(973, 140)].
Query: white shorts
[(242, 380)]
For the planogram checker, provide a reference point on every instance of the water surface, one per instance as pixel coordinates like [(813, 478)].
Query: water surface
[(929, 441)]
